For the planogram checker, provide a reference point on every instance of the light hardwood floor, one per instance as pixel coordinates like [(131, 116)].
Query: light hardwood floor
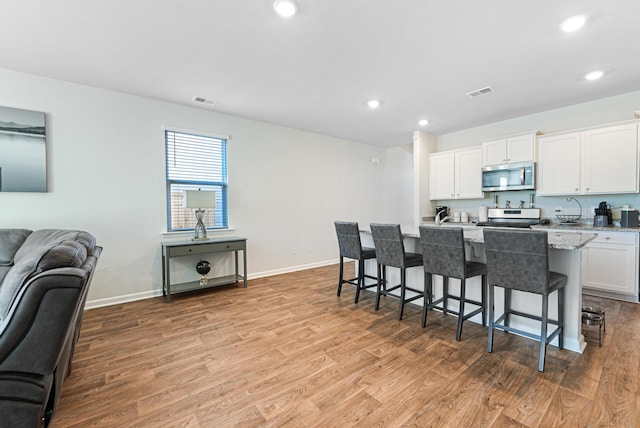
[(286, 352)]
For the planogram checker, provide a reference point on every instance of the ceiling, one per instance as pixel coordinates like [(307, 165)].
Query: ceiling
[(316, 71)]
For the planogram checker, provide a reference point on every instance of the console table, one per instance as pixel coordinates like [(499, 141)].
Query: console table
[(187, 248)]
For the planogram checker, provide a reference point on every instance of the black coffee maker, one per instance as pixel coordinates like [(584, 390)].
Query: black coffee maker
[(603, 216)]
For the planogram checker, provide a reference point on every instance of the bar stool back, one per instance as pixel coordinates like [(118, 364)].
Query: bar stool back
[(519, 260), (350, 247), (443, 254), (387, 239)]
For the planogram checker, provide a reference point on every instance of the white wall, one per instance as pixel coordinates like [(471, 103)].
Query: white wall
[(106, 175), (605, 110), (395, 198)]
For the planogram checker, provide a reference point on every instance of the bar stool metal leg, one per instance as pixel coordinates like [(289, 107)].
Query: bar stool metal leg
[(341, 280), (360, 281), (483, 299), (507, 306), (491, 315), (380, 280), (543, 333), (428, 297), (403, 291), (461, 309), (445, 294), (561, 318)]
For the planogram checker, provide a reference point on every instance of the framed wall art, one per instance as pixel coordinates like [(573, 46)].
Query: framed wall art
[(23, 151)]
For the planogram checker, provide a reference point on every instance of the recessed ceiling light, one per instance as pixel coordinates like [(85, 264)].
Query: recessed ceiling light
[(285, 8), (373, 103), (594, 75), (573, 24), (423, 122)]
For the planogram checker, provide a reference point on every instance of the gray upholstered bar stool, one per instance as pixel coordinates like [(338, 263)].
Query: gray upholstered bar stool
[(387, 238), (351, 247), (443, 254), (519, 260)]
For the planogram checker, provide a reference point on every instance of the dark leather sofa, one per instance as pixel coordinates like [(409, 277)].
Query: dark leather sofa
[(44, 279)]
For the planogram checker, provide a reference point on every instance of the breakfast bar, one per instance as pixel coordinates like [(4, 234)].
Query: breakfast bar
[(564, 257)]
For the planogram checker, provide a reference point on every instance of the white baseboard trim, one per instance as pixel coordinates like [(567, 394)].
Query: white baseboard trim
[(292, 269), (126, 298), (117, 300)]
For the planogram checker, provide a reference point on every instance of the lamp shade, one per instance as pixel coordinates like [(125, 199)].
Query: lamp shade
[(199, 199)]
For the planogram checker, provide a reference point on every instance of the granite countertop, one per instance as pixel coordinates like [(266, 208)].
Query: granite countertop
[(580, 227), (572, 239), (569, 240)]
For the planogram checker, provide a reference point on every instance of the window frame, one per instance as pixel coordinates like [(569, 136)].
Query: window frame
[(221, 199)]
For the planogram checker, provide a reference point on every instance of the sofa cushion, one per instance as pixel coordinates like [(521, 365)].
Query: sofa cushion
[(47, 237), (40, 259), (10, 242)]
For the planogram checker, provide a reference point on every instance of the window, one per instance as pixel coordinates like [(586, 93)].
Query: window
[(195, 162)]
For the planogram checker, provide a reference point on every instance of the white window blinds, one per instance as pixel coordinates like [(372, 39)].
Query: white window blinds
[(195, 162)]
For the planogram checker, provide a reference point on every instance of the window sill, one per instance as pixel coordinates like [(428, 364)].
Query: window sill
[(189, 233)]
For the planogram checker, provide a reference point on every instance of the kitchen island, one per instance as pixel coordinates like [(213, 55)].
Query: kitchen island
[(610, 262), (564, 257)]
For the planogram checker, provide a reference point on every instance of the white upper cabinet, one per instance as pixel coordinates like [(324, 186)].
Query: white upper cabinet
[(610, 160), (468, 174), (456, 174), (521, 148), (441, 175), (598, 161), (558, 169)]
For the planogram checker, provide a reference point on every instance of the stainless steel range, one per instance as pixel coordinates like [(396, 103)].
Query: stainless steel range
[(512, 217)]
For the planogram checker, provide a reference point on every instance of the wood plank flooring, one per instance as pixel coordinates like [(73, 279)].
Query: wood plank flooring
[(286, 352)]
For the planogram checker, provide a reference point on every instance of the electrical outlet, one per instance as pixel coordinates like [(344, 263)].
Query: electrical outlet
[(293, 251)]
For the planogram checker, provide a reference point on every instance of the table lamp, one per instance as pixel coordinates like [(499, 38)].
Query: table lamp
[(199, 200)]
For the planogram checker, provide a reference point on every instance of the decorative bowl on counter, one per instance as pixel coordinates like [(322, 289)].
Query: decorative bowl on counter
[(566, 218)]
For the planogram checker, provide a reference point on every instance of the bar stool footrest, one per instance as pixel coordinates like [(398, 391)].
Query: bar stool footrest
[(530, 316), (525, 333)]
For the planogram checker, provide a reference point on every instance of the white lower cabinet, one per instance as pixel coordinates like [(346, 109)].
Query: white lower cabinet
[(610, 265)]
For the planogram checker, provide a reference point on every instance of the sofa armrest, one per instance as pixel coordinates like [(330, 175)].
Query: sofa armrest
[(32, 334)]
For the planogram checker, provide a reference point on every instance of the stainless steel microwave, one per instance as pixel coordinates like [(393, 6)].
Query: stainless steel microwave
[(513, 176)]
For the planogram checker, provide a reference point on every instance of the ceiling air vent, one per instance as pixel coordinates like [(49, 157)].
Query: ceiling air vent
[(481, 91), (205, 101)]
